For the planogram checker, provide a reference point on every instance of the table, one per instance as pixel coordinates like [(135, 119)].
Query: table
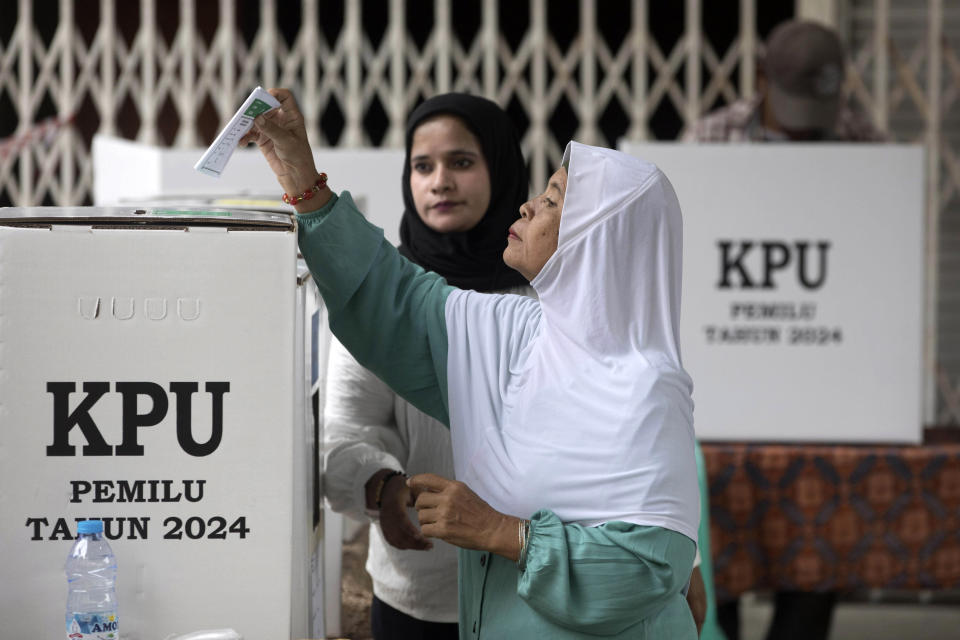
[(829, 517)]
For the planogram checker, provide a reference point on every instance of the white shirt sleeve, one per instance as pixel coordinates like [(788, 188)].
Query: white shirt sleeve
[(360, 432)]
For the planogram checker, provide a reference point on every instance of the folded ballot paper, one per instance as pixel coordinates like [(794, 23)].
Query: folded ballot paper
[(215, 158)]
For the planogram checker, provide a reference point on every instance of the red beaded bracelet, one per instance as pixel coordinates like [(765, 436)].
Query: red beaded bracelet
[(306, 195)]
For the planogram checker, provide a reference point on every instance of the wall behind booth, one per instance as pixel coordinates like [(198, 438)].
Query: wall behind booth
[(802, 312)]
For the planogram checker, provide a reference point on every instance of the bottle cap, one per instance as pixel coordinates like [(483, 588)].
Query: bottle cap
[(90, 526)]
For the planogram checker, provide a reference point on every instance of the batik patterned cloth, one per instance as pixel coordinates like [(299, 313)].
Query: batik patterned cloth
[(822, 518)]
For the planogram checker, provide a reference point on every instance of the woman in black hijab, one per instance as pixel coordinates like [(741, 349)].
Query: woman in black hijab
[(464, 180), (469, 259)]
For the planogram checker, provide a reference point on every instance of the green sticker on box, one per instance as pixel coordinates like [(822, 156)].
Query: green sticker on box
[(256, 108), (177, 212)]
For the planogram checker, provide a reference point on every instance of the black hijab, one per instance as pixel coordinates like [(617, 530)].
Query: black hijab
[(470, 259)]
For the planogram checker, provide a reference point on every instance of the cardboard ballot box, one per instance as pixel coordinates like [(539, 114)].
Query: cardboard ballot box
[(153, 373)]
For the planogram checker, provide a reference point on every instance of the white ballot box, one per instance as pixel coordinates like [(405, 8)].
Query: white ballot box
[(802, 313), (125, 171), (153, 373)]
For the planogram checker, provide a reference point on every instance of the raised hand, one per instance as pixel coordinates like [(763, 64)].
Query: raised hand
[(281, 136)]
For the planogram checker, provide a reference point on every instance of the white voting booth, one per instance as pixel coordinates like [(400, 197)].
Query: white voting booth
[(802, 316), (157, 371), (127, 172)]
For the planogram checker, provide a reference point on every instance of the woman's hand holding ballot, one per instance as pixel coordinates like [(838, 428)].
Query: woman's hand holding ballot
[(282, 137), (451, 511)]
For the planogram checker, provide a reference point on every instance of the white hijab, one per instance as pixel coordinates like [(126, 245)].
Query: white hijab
[(579, 403)]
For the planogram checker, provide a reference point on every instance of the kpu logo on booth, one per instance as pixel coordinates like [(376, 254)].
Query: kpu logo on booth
[(125, 308), (739, 262), (65, 420)]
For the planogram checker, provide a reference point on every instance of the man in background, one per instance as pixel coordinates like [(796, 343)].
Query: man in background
[(798, 95), (798, 99)]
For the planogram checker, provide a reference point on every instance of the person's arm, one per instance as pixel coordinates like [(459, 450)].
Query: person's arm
[(601, 580), (360, 436), (388, 312), (281, 136), (364, 450)]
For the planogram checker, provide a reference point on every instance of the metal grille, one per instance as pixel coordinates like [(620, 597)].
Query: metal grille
[(138, 76), (905, 70), (172, 72)]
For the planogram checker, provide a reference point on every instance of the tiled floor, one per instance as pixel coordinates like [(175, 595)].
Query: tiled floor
[(868, 621)]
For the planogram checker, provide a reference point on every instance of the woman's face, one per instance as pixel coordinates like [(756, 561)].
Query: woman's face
[(533, 238), (449, 178)]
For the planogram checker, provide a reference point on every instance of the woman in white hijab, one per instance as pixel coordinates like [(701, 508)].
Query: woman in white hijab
[(576, 501)]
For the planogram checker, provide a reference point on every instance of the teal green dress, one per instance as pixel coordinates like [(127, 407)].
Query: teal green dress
[(616, 580)]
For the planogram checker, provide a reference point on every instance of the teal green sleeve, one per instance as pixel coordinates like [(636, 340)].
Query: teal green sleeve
[(387, 311), (602, 580)]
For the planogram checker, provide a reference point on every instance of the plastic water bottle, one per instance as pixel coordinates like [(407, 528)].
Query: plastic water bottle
[(91, 575)]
